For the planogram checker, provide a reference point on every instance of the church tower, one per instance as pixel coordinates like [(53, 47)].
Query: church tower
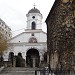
[(34, 19)]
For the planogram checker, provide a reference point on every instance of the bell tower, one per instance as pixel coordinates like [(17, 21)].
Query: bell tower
[(34, 19)]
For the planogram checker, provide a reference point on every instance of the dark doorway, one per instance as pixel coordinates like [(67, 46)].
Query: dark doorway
[(20, 62), (32, 58)]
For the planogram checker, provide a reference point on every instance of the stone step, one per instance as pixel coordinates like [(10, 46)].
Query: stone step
[(18, 74), (18, 71)]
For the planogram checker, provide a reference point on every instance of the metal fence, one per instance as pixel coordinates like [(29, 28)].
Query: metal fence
[(55, 72), (42, 72)]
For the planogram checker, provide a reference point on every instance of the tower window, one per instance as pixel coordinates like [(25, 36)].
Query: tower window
[(33, 17), (33, 34), (33, 25)]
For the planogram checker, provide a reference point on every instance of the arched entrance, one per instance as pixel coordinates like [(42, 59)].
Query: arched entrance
[(32, 58)]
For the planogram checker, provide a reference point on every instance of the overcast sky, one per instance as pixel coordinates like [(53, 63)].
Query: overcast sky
[(13, 12)]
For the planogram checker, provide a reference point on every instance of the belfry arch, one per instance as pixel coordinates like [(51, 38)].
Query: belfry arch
[(32, 58)]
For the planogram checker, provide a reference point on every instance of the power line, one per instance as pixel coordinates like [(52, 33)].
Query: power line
[(18, 29)]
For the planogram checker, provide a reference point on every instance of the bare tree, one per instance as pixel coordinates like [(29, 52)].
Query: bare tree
[(3, 46), (3, 43)]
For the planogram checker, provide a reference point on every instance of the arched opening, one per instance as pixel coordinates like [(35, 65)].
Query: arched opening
[(33, 25), (11, 58), (32, 58), (20, 62)]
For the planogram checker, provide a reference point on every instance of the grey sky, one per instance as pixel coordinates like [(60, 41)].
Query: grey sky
[(13, 12)]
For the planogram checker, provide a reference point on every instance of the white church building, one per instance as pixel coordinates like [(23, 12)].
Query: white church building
[(31, 44)]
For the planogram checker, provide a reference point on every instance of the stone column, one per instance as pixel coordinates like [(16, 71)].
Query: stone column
[(41, 58), (48, 59), (14, 62), (33, 61), (25, 64)]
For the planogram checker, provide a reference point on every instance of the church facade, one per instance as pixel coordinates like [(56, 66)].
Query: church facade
[(28, 48)]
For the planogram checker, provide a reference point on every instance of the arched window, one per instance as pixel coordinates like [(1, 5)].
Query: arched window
[(32, 40), (33, 25)]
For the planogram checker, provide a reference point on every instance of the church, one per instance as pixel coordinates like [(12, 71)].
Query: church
[(28, 48)]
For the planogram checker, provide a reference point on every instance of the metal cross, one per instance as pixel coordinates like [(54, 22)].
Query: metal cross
[(34, 5)]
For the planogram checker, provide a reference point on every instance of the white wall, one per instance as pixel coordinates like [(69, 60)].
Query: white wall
[(24, 37), (23, 48)]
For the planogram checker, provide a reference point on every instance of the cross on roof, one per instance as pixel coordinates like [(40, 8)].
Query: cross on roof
[(34, 5)]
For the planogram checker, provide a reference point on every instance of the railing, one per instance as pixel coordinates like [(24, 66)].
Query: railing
[(54, 72)]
